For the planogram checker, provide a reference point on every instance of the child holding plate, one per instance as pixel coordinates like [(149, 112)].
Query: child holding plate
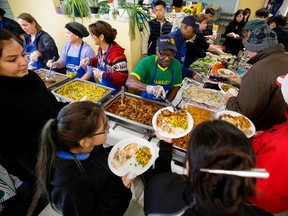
[(72, 164)]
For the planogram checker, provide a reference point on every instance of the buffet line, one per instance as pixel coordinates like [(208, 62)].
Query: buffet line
[(131, 115)]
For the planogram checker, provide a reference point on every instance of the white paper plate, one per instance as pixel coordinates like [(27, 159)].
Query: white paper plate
[(225, 72), (164, 134), (251, 128), (234, 93), (131, 164)]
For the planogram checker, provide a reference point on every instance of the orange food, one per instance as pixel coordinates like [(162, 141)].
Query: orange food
[(215, 67), (199, 115)]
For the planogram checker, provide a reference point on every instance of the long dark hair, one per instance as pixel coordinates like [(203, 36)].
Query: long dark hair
[(220, 145), (245, 12), (240, 11), (7, 37), (73, 123), (102, 27)]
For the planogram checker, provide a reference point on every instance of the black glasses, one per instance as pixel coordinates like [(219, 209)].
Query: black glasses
[(164, 55), (107, 127)]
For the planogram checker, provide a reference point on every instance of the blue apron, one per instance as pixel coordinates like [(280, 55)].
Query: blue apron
[(103, 81), (72, 62), (2, 24), (30, 48), (166, 87)]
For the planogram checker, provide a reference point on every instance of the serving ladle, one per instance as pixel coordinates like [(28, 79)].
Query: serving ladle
[(48, 77)]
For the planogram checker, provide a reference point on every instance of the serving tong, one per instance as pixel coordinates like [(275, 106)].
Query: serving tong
[(122, 97), (175, 108), (48, 77)]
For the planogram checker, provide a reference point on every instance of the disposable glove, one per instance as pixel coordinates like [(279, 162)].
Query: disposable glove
[(157, 91), (97, 73), (34, 56), (51, 63), (84, 62)]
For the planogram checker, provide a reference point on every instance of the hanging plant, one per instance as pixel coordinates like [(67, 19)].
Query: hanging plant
[(75, 8)]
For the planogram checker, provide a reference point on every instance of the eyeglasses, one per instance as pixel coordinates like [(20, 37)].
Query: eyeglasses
[(164, 55), (107, 127)]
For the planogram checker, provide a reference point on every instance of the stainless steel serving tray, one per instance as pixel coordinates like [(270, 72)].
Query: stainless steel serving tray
[(82, 94), (192, 94), (128, 123), (58, 77)]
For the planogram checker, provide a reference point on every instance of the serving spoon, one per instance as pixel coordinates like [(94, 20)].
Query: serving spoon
[(48, 77)]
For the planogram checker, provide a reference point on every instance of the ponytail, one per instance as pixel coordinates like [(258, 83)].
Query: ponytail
[(49, 146)]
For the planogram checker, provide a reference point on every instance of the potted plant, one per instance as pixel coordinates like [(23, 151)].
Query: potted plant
[(93, 4), (136, 16), (75, 8), (104, 9)]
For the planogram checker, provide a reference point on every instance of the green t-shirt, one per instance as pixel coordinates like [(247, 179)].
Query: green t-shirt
[(145, 71)]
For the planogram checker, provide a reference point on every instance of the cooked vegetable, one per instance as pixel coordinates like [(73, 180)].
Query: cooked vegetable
[(143, 156), (78, 89)]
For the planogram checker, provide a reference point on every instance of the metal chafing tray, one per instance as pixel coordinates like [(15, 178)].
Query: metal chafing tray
[(206, 98), (145, 129), (199, 115), (80, 92), (58, 77)]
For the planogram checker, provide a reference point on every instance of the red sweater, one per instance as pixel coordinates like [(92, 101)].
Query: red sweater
[(271, 148), (116, 67)]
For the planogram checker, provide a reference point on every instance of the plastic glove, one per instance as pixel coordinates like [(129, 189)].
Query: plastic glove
[(197, 77), (51, 63), (97, 73), (34, 56), (157, 91), (84, 62)]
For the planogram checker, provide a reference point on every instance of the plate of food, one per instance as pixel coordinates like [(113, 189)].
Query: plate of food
[(228, 88), (225, 72), (172, 124), (239, 120), (134, 155)]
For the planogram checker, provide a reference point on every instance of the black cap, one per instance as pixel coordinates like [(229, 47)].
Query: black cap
[(192, 21), (166, 42), (77, 29), (2, 12)]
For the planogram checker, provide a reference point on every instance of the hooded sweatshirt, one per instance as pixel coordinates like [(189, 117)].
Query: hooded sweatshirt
[(116, 67)]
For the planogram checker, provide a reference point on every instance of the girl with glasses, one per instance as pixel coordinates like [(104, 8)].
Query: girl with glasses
[(72, 164)]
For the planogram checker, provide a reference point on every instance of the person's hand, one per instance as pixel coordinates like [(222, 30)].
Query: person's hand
[(209, 54), (220, 52), (236, 80), (128, 180), (51, 63), (35, 55), (231, 34), (97, 73), (227, 95), (169, 140), (237, 36), (197, 77), (157, 91), (84, 62)]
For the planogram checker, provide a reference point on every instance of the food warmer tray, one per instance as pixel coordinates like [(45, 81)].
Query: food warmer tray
[(199, 114), (208, 95), (66, 99), (128, 123), (60, 78)]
